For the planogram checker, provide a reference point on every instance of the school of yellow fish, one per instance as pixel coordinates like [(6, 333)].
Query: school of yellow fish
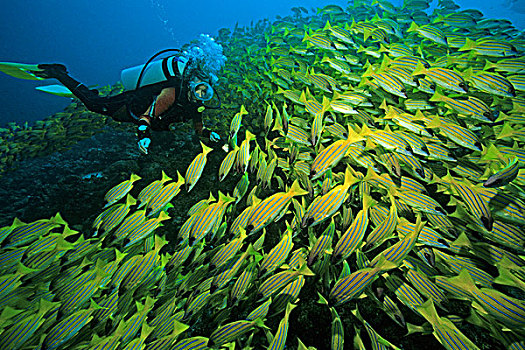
[(381, 161)]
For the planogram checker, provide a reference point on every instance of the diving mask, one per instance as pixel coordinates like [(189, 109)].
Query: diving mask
[(201, 90)]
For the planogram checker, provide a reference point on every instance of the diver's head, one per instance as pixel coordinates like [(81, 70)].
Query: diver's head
[(200, 89), (204, 59)]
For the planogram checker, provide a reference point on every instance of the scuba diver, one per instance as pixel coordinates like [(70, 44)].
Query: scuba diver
[(158, 93)]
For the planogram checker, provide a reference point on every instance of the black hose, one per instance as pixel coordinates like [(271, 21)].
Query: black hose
[(139, 80)]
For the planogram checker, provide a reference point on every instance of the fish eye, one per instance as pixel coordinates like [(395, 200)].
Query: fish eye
[(403, 90), (462, 85)]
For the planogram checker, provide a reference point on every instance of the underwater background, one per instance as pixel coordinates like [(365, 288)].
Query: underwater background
[(367, 191)]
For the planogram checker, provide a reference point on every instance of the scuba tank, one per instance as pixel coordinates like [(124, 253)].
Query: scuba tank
[(153, 71)]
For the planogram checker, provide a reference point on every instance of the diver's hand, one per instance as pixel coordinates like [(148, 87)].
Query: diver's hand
[(144, 144), (214, 137)]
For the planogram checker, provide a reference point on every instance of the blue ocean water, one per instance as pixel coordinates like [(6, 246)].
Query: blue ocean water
[(98, 38)]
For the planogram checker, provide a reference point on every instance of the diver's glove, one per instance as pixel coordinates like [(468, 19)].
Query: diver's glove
[(214, 137), (144, 144), (143, 135)]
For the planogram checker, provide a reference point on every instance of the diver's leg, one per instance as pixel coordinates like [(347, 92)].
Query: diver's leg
[(90, 98)]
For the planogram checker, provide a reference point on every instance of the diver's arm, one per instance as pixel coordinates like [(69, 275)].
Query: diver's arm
[(199, 128), (160, 104)]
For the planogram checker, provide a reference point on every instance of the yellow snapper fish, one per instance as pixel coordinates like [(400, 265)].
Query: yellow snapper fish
[(267, 210), (194, 171)]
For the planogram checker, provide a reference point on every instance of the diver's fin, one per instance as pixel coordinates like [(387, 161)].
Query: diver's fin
[(20, 70), (58, 90)]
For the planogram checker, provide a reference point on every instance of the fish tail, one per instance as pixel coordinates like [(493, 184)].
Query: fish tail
[(134, 177), (469, 45), (296, 190), (206, 149), (413, 27)]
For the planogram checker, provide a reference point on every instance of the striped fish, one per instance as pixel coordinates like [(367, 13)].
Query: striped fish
[(392, 310), (205, 221), (151, 190), (491, 83), (120, 191), (227, 251), (14, 336), (338, 334), (227, 163), (386, 138), (81, 295), (277, 254), (405, 293), (274, 283), (489, 47), (231, 331), (243, 155), (21, 233), (130, 224), (194, 170), (297, 134), (241, 187), (504, 176), (508, 310), (458, 134), (340, 33), (425, 286), (236, 122), (164, 196), (446, 78), (113, 219), (444, 330), (194, 343), (142, 267), (332, 154), (144, 229), (322, 243), (473, 107), (221, 279), (242, 283), (319, 41), (268, 118), (268, 209), (325, 206), (384, 230), (428, 31), (68, 327), (279, 339), (473, 200), (387, 81), (457, 263), (132, 326), (419, 201), (352, 286), (317, 127), (353, 236), (241, 221), (510, 65), (398, 251), (260, 311)]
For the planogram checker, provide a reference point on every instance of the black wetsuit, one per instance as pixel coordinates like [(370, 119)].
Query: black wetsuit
[(128, 106)]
